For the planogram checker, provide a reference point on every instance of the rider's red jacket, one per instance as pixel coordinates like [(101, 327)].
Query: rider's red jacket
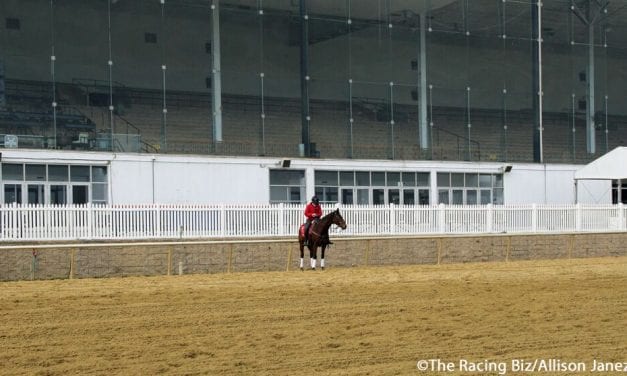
[(312, 211)]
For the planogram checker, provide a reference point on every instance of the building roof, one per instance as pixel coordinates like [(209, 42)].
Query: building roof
[(610, 166)]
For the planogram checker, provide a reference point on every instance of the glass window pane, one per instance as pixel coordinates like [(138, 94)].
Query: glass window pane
[(471, 197), (99, 174), (444, 179), (58, 194), (363, 178), (347, 196), (485, 180), (472, 180), (295, 194), (409, 179), (498, 180), (423, 179), (423, 196), (12, 193), (79, 174), (330, 195), (11, 171), (394, 196), (347, 178), (408, 197), (458, 197), (278, 194), (443, 196), (393, 179), (326, 178), (35, 172), (58, 173), (497, 196), (99, 192), (378, 178), (80, 194), (378, 197), (362, 197), (485, 196), (457, 180)]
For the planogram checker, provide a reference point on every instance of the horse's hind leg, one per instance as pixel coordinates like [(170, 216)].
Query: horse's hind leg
[(322, 257), (302, 254)]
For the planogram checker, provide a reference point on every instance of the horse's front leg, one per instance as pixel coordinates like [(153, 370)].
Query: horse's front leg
[(322, 257), (302, 253), (312, 255)]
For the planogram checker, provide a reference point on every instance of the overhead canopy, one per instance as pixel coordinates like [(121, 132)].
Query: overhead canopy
[(611, 166)]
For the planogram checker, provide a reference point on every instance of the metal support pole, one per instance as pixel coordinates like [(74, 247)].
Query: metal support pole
[(216, 72), (590, 110), (304, 77), (423, 125)]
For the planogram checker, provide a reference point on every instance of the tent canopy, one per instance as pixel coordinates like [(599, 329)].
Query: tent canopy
[(611, 166)]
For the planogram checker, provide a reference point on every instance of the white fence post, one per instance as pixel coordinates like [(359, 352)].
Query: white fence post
[(90, 221), (490, 218), (281, 219), (534, 218), (441, 218), (15, 225), (392, 219), (222, 220), (621, 217), (578, 217), (157, 220)]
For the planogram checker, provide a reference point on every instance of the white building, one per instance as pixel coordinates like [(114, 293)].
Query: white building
[(58, 177)]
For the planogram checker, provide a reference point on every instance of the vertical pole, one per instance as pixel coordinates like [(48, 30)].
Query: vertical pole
[(304, 77), (216, 72), (590, 108), (536, 86), (423, 125)]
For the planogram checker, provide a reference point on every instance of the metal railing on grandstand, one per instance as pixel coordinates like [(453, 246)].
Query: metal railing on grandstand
[(128, 222)]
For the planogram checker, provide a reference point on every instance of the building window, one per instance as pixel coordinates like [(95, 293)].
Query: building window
[(54, 184), (372, 187), (470, 188), (150, 38), (13, 23), (287, 186)]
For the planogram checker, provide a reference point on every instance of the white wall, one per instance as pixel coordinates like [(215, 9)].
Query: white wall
[(245, 180), (552, 184), (188, 179)]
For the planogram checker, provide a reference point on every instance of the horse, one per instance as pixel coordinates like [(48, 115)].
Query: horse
[(319, 237)]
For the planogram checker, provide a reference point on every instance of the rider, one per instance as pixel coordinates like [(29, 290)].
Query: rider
[(313, 211)]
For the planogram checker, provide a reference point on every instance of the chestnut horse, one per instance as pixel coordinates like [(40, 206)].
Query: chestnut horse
[(319, 237)]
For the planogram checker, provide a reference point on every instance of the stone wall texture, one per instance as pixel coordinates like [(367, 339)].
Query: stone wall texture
[(93, 260)]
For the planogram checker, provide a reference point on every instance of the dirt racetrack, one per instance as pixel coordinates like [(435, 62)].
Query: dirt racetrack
[(356, 321)]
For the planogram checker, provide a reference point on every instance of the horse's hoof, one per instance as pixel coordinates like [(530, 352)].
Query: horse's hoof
[(322, 268), (314, 269), (302, 270)]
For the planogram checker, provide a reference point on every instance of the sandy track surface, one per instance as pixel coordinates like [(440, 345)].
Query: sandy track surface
[(341, 321)]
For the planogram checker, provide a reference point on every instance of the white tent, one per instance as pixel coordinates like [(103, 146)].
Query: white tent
[(611, 166)]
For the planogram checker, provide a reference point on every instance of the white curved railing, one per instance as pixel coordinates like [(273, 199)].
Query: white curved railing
[(91, 222)]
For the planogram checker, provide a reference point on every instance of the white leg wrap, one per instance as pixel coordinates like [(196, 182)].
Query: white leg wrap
[(301, 263), (322, 263)]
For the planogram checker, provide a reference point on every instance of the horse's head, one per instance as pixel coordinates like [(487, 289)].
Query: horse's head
[(338, 220)]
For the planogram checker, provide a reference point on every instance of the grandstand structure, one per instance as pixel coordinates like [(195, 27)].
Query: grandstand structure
[(96, 95)]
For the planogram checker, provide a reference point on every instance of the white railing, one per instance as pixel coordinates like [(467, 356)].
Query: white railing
[(91, 222)]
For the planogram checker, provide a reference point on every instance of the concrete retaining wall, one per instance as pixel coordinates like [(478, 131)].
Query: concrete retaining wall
[(87, 260)]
